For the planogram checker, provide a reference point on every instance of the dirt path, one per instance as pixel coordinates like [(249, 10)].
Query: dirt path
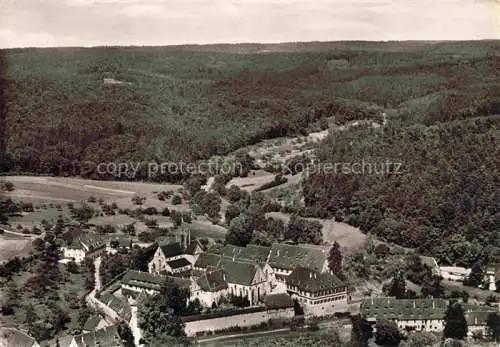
[(97, 265)]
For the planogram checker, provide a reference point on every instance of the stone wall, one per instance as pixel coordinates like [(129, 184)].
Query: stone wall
[(246, 319)]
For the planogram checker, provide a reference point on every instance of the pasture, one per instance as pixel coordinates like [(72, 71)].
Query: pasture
[(12, 245)]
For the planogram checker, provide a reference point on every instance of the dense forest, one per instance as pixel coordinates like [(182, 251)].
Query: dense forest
[(442, 102), (190, 103)]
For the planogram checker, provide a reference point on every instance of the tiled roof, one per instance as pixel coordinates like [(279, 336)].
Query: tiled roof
[(92, 322), (477, 317), (141, 298), (172, 249), (230, 251), (238, 272), (212, 281), (215, 248), (277, 301), (107, 337), (177, 263), (92, 240), (206, 259), (404, 309), (197, 273), (146, 280), (133, 277), (89, 240), (288, 257), (120, 306), (191, 248), (10, 337), (253, 254), (311, 281), (181, 282)]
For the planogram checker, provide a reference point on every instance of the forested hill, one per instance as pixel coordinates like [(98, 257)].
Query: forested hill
[(63, 111), (187, 103)]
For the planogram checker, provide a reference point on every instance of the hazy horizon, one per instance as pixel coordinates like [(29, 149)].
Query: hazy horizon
[(88, 23)]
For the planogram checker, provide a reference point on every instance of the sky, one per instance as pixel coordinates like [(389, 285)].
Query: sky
[(49, 23)]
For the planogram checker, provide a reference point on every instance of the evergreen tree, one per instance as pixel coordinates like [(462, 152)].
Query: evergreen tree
[(397, 288), (455, 322), (48, 276), (493, 324), (30, 315), (476, 276), (335, 261), (361, 332), (240, 231), (387, 333), (434, 288), (13, 294)]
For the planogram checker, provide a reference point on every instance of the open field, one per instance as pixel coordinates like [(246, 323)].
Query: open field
[(348, 237), (13, 246), (253, 181), (202, 228), (63, 189)]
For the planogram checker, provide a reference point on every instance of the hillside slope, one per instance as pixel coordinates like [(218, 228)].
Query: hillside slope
[(188, 103)]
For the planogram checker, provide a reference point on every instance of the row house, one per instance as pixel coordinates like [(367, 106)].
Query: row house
[(134, 282), (319, 293), (106, 337), (408, 314)]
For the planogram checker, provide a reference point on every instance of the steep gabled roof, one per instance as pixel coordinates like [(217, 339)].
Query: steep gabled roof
[(231, 251), (238, 272), (92, 322), (277, 301), (477, 317), (207, 259), (120, 306), (92, 241), (148, 281), (215, 248), (254, 253), (142, 279), (212, 281), (178, 263), (107, 337), (311, 281), (181, 282), (288, 257), (172, 249), (403, 309), (10, 337), (191, 248), (141, 298)]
